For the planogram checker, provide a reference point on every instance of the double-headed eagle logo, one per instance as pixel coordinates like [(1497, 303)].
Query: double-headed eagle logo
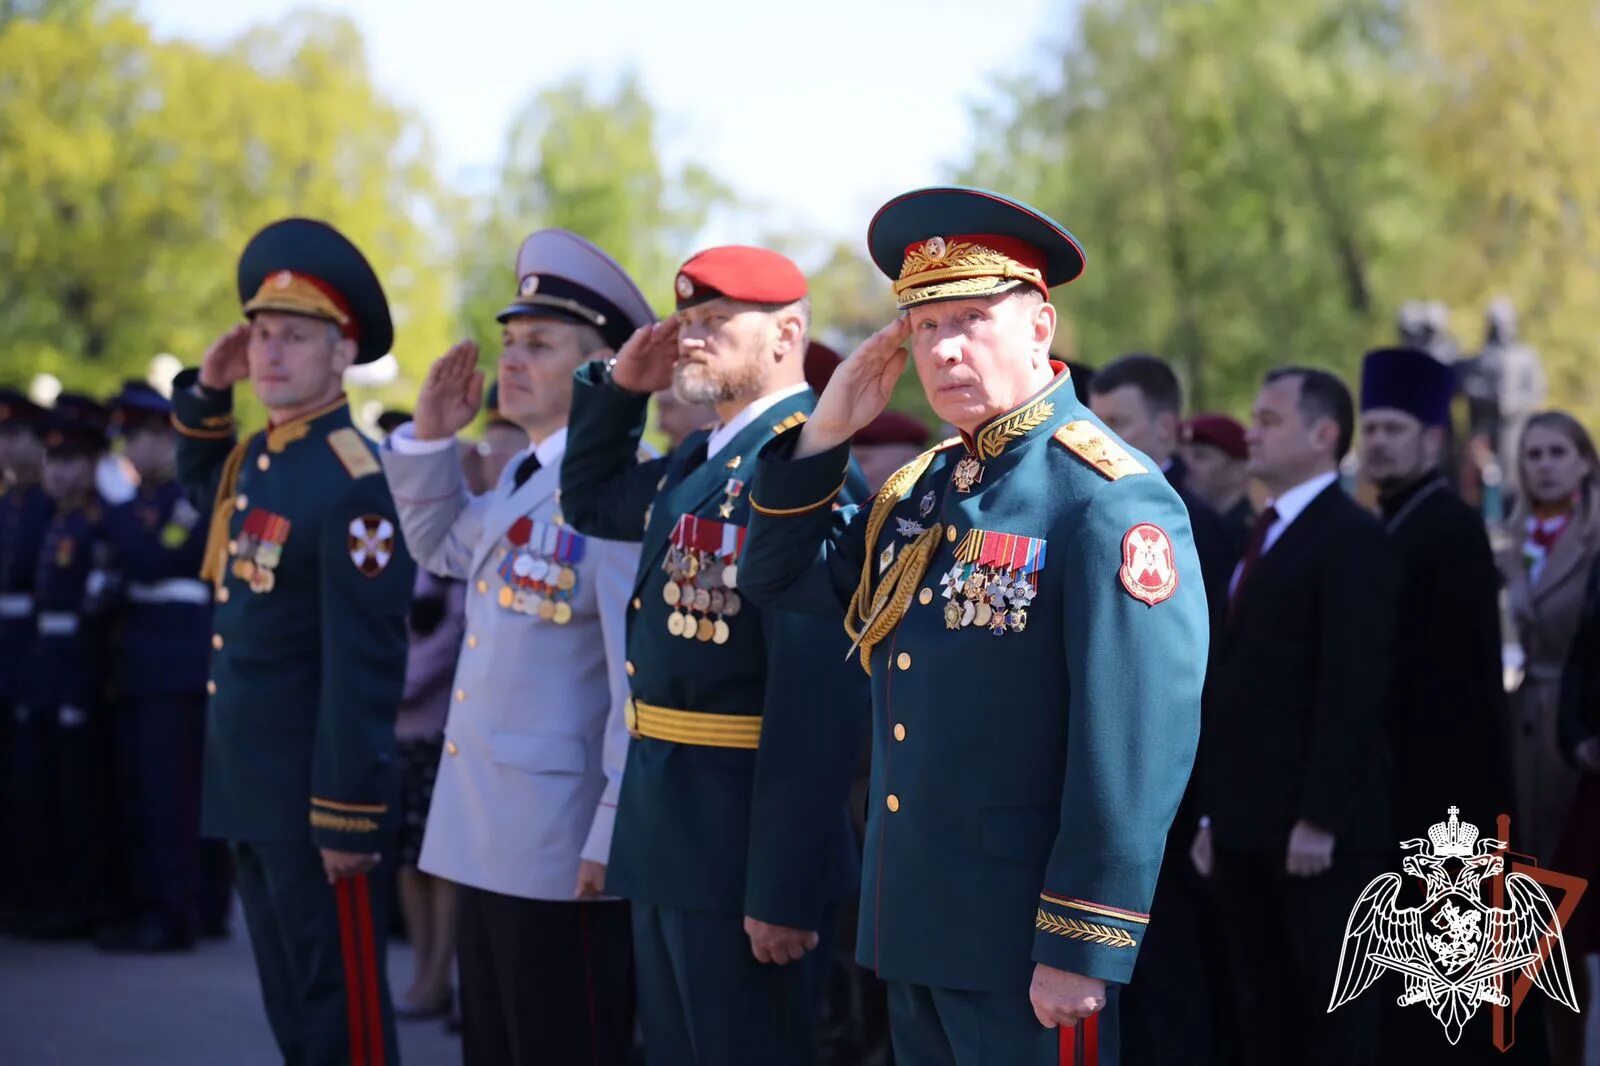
[(1453, 950)]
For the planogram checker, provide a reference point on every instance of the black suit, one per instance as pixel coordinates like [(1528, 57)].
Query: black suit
[(1168, 1013), (1294, 730)]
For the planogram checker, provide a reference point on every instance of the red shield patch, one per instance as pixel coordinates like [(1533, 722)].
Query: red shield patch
[(1149, 569)]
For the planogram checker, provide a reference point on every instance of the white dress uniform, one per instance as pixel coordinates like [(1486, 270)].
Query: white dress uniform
[(537, 736)]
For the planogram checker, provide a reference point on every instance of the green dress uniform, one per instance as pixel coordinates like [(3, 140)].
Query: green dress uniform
[(1029, 606), (746, 725), (312, 586)]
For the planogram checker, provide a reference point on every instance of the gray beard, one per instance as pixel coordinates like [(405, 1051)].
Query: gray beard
[(694, 383)]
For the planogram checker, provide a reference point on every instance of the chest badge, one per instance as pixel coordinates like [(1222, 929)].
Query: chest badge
[(1149, 571), (258, 549), (926, 505), (968, 473), (909, 527)]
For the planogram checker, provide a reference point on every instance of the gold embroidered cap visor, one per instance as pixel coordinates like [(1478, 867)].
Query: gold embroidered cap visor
[(305, 267), (952, 242)]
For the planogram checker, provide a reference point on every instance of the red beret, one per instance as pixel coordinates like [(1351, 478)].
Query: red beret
[(749, 275), (893, 427), (1219, 431), (821, 362)]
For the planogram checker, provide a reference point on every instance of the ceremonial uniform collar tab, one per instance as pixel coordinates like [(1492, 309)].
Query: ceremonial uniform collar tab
[(281, 436), (1000, 432)]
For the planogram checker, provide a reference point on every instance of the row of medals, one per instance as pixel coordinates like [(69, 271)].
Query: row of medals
[(989, 598), (552, 581), (700, 583)]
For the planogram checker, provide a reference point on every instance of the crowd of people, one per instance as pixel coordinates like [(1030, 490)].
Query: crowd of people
[(1136, 684)]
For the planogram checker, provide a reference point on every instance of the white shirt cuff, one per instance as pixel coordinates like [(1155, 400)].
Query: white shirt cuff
[(404, 440)]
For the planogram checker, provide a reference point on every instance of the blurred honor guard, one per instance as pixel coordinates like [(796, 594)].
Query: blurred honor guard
[(63, 747), (1026, 599), (732, 840), (164, 640), (24, 513), (534, 750), (312, 585)]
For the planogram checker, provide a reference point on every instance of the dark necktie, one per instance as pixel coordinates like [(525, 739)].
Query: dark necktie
[(525, 470), (1252, 552)]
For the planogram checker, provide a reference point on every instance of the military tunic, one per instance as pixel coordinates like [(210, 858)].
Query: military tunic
[(307, 668), (24, 513), (1036, 706), (744, 743)]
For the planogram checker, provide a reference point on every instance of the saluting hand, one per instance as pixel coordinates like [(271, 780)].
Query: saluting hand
[(1310, 850), (450, 394), (645, 361), (858, 391), (1062, 998), (778, 944), (227, 361)]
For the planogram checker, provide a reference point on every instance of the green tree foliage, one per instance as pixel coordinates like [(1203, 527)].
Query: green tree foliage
[(132, 171)]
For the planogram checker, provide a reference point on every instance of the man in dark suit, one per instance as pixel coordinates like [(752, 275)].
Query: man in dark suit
[(1166, 1009), (1293, 768)]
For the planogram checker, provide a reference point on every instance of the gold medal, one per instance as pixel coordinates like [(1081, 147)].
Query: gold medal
[(703, 632), (547, 610), (563, 613), (243, 569), (506, 596), (675, 624), (952, 615), (691, 564), (566, 579), (671, 593), (689, 628), (720, 632), (982, 613), (1019, 619)]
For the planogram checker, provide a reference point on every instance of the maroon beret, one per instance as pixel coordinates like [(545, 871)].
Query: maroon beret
[(1219, 431), (821, 362), (739, 272), (893, 427)]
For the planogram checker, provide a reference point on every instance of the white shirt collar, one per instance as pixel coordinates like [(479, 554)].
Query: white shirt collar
[(1294, 501), (723, 434), (550, 450)]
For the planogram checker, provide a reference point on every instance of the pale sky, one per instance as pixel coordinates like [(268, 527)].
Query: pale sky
[(817, 112)]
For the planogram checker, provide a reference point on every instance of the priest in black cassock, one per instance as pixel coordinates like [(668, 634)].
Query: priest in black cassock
[(1447, 717)]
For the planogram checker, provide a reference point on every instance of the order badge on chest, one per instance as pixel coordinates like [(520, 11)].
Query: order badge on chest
[(539, 576), (702, 567)]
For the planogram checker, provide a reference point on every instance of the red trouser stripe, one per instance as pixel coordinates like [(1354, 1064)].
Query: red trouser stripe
[(367, 954), (1080, 1044), (352, 994)]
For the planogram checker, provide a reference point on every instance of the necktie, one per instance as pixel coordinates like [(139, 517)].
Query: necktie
[(1252, 552), (525, 470)]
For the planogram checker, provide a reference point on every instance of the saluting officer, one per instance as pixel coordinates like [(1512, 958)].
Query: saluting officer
[(63, 750), (1026, 598), (24, 513), (163, 642), (312, 584), (527, 791), (732, 841)]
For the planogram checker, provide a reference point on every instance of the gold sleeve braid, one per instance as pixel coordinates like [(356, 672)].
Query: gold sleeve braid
[(872, 614)]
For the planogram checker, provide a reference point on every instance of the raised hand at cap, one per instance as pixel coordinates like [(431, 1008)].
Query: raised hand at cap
[(859, 390), (644, 364), (227, 361), (450, 394)]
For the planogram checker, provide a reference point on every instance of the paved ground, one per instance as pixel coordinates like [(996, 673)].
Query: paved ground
[(71, 1005)]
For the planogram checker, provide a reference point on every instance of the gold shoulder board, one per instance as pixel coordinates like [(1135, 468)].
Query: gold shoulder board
[(353, 453), (796, 419), (1105, 456)]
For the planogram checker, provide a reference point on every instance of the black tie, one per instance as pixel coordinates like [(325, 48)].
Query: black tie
[(525, 470)]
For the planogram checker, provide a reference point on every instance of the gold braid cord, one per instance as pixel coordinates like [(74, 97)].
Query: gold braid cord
[(215, 560), (873, 613), (1077, 929)]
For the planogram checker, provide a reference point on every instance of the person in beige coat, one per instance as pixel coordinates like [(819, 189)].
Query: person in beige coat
[(1556, 531)]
